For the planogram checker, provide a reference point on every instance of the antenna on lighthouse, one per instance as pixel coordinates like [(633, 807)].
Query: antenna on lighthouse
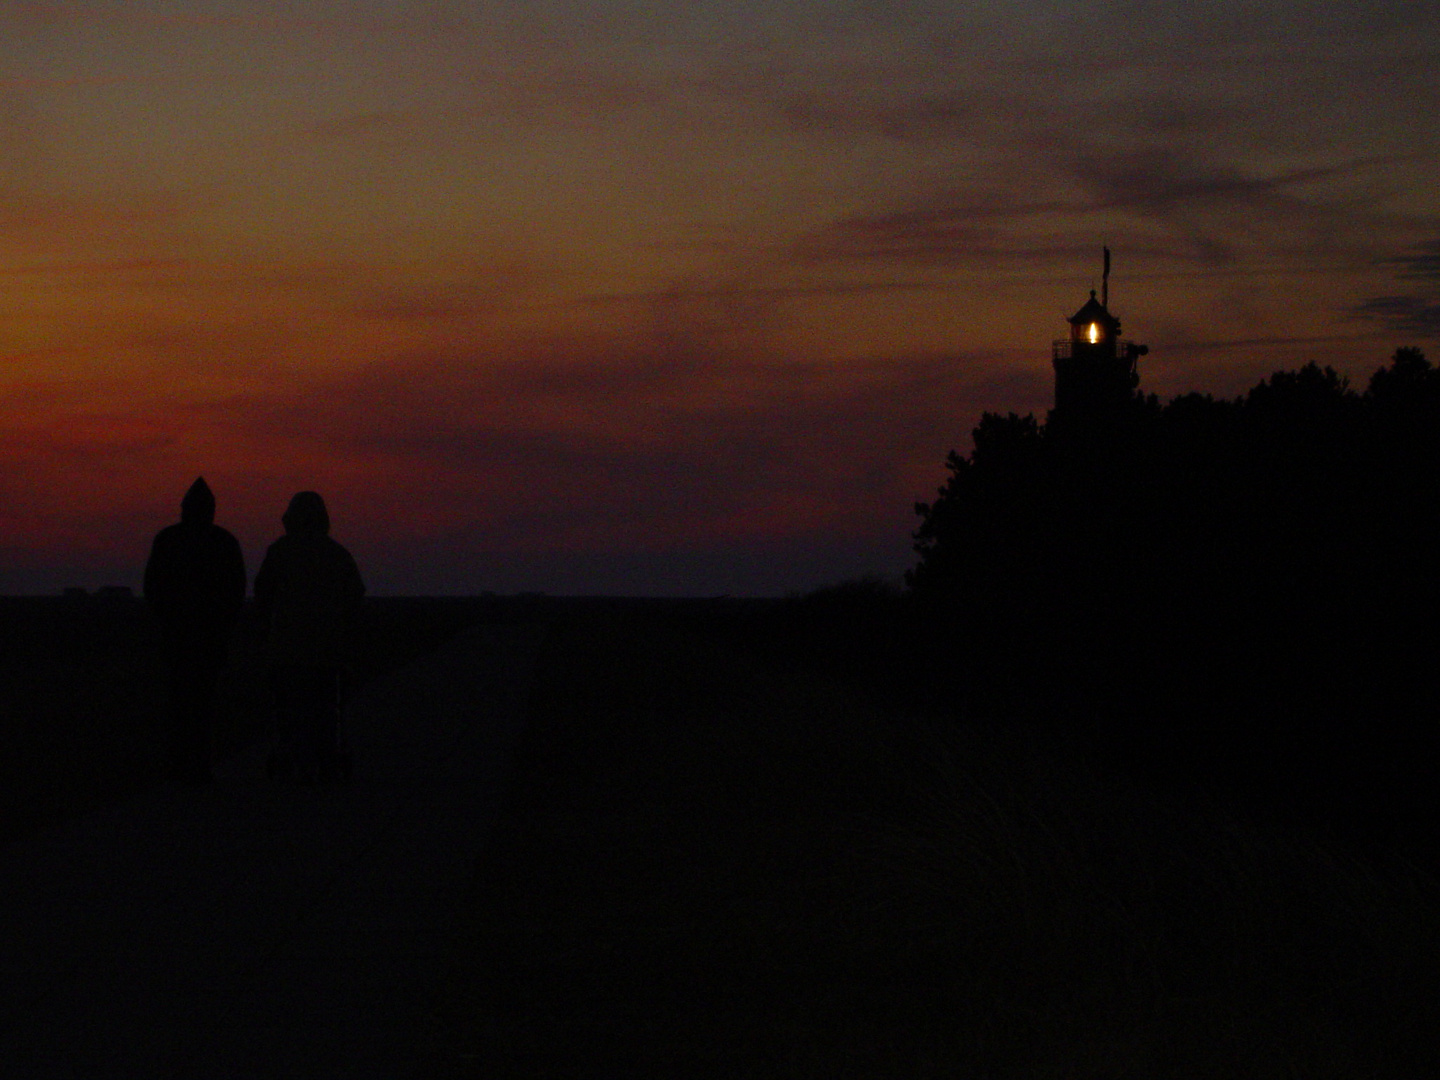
[(1105, 282)]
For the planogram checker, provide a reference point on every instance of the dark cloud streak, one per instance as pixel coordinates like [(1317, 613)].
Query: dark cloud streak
[(1417, 315), (1423, 265), (1209, 213)]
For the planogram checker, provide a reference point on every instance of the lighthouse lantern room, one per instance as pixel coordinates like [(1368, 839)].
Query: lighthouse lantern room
[(1095, 371)]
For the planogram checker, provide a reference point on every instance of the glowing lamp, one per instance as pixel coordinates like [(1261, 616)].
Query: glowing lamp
[(1093, 328)]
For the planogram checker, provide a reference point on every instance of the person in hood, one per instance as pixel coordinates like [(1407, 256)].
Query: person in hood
[(195, 585), (308, 592)]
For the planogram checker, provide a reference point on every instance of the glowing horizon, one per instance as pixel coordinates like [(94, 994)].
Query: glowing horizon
[(621, 297)]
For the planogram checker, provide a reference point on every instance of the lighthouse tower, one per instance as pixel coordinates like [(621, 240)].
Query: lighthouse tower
[(1095, 371)]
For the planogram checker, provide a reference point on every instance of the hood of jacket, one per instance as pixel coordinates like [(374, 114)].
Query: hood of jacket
[(198, 505), (306, 515)]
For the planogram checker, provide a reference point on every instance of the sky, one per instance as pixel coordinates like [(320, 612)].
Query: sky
[(655, 299)]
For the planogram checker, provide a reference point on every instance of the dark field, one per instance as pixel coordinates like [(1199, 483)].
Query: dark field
[(750, 841), (765, 839), (82, 694)]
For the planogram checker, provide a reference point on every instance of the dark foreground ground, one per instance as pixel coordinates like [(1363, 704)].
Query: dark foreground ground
[(82, 693), (735, 845), (726, 854), (255, 928)]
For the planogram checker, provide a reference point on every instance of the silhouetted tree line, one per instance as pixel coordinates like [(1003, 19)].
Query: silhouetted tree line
[(1241, 591)]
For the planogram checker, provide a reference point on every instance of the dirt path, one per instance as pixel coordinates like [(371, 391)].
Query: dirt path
[(263, 930)]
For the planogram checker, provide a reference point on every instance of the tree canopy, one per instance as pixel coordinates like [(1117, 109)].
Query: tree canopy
[(1201, 561)]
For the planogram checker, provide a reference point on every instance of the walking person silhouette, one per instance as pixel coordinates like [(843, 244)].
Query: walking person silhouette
[(308, 591), (195, 585)]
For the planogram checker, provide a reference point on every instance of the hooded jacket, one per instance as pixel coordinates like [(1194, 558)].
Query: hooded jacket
[(195, 576), (308, 589)]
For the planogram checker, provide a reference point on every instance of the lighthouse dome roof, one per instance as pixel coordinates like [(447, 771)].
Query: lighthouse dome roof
[(1094, 311)]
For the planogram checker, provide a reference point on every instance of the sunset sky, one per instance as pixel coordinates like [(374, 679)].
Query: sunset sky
[(656, 298)]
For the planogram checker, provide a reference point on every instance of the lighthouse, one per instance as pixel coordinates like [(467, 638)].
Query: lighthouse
[(1095, 371)]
